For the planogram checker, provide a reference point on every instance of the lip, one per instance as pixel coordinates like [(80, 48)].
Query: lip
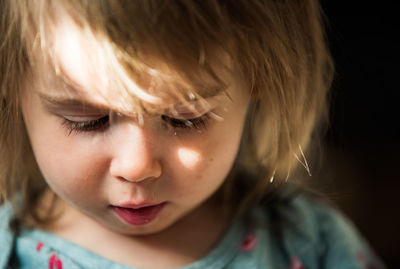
[(138, 215)]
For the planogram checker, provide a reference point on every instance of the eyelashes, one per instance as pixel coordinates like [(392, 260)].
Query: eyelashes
[(86, 126), (198, 123), (101, 124)]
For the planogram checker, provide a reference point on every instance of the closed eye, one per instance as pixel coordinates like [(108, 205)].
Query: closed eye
[(98, 124), (199, 123)]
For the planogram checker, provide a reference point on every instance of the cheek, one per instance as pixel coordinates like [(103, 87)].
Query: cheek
[(75, 177), (71, 170), (70, 164), (220, 152), (203, 166)]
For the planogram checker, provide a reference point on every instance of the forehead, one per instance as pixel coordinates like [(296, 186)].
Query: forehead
[(88, 65)]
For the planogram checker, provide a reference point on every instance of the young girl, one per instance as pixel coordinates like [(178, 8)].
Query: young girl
[(165, 134)]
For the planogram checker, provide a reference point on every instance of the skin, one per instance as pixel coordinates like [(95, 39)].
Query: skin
[(128, 162)]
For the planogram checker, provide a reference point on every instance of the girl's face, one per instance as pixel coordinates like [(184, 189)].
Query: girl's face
[(132, 178)]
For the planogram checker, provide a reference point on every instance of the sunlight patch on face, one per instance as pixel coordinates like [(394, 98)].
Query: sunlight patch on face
[(189, 158)]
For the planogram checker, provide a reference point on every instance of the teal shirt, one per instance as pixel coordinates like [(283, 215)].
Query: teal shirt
[(318, 237)]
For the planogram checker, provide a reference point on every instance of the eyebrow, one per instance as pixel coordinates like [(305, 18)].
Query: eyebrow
[(72, 98), (69, 101)]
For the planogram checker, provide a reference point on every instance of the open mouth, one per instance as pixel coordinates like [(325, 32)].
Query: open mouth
[(139, 216)]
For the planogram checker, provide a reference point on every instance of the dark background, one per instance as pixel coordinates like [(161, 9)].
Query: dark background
[(361, 161)]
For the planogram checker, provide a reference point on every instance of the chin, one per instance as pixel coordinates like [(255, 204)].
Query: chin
[(144, 230)]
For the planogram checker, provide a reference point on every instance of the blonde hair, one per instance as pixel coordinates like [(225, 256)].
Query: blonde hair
[(276, 47)]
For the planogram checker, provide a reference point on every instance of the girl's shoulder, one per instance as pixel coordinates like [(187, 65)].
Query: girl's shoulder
[(308, 232), (6, 235)]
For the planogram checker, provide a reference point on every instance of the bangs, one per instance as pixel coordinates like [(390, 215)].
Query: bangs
[(143, 62)]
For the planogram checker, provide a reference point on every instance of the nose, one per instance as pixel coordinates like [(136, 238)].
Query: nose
[(135, 154)]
